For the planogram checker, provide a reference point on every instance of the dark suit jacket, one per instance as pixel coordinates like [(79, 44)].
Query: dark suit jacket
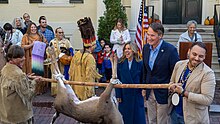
[(162, 69)]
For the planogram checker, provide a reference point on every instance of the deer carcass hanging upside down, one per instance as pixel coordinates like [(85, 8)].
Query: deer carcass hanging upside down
[(98, 110)]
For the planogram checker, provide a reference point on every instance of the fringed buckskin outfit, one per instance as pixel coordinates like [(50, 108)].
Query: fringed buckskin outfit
[(83, 70), (16, 93), (57, 49), (83, 65)]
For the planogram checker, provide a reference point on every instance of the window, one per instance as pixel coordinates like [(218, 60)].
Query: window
[(3, 1), (76, 1), (55, 1), (35, 1)]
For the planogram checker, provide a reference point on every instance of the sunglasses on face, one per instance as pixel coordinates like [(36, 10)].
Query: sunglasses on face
[(60, 32)]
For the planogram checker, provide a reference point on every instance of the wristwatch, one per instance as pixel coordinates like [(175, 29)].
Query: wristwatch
[(182, 94)]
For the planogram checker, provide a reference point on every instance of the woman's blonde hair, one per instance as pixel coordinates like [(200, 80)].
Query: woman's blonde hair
[(134, 48), (122, 23)]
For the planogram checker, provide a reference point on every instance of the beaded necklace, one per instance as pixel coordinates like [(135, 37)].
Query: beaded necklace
[(182, 80)]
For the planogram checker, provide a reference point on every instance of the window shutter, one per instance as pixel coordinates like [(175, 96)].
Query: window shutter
[(76, 1), (35, 1), (3, 1)]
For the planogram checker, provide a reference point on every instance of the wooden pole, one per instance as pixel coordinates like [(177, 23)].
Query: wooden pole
[(147, 86)]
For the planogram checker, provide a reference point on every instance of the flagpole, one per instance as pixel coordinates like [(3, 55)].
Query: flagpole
[(142, 24), (142, 32)]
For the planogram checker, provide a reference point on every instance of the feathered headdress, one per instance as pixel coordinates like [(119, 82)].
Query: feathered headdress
[(87, 31)]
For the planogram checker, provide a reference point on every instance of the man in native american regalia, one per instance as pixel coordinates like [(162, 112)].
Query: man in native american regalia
[(64, 51), (83, 65)]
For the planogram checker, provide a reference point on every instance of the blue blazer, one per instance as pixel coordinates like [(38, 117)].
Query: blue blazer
[(162, 69), (132, 105)]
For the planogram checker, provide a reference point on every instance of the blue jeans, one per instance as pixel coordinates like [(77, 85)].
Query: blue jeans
[(176, 118)]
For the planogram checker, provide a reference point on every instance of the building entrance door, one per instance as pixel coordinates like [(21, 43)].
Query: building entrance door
[(181, 11)]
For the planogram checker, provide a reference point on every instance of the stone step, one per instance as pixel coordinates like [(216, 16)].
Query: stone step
[(216, 70), (174, 41), (176, 36), (178, 26), (214, 58), (214, 108), (172, 31), (182, 30), (217, 79), (215, 65), (217, 74), (169, 39)]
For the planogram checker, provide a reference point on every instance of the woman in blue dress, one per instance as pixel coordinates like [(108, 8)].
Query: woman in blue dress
[(129, 71)]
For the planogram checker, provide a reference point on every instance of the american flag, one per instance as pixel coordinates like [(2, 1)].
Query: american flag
[(142, 26)]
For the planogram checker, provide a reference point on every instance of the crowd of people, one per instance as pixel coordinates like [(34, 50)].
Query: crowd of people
[(191, 79)]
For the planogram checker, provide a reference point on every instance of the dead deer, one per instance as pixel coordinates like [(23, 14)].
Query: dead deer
[(98, 110)]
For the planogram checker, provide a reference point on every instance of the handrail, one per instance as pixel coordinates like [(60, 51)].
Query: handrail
[(216, 29)]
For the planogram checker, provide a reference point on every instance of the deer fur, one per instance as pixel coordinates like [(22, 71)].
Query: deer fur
[(97, 110)]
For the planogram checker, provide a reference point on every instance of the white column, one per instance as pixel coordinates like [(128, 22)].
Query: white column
[(100, 10), (135, 6)]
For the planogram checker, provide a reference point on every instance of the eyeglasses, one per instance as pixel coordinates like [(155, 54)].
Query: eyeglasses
[(60, 32)]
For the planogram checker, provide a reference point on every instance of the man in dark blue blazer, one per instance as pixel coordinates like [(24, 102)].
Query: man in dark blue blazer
[(159, 58)]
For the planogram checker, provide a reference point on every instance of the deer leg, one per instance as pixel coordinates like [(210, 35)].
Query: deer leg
[(114, 61), (108, 91), (115, 67), (55, 116), (73, 96), (113, 98)]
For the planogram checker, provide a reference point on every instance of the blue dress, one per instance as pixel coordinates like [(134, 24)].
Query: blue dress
[(132, 105)]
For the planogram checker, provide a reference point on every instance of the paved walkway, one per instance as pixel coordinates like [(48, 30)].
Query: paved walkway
[(43, 115), (43, 111)]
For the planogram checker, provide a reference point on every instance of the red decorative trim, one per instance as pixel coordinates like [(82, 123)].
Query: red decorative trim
[(88, 41)]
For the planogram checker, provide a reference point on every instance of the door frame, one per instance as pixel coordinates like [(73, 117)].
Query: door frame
[(182, 13)]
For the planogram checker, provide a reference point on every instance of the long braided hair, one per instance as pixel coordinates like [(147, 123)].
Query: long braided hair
[(8, 36)]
